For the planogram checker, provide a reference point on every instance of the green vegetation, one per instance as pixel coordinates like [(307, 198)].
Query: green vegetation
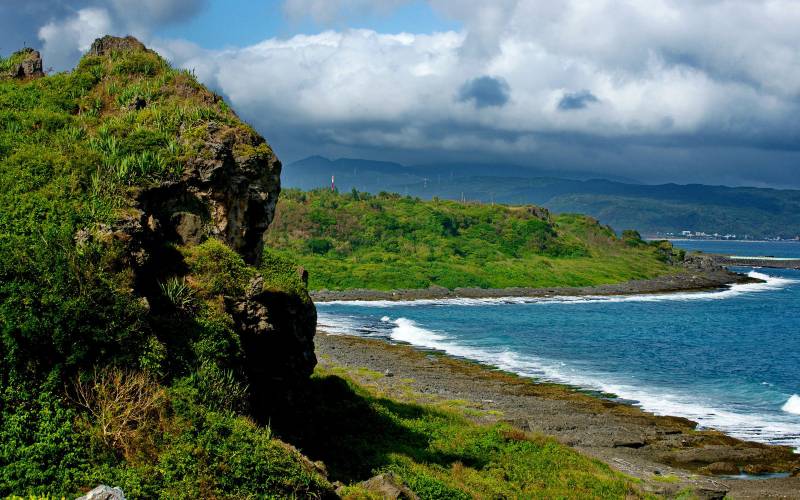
[(111, 373), (758, 212), (357, 240), (434, 447), (97, 385)]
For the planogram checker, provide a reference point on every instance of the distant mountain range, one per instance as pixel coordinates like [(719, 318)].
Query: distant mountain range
[(621, 203)]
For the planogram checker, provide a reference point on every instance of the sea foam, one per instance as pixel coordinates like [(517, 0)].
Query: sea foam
[(792, 405)]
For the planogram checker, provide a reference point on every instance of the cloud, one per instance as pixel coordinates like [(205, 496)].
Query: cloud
[(485, 91), (65, 40), (577, 100), (328, 11), (653, 81), (66, 29)]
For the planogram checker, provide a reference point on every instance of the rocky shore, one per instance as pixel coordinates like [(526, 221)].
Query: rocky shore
[(668, 454), (691, 279)]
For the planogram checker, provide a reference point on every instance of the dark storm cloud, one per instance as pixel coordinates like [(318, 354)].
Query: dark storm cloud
[(485, 91), (577, 100), (20, 21)]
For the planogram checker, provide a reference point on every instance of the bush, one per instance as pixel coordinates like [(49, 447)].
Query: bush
[(319, 246), (216, 269), (125, 408)]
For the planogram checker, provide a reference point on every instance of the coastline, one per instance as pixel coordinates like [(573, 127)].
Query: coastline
[(667, 453), (690, 280)]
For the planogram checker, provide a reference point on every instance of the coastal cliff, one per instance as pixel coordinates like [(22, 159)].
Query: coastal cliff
[(138, 305)]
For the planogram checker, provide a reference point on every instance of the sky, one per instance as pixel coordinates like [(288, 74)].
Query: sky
[(653, 90)]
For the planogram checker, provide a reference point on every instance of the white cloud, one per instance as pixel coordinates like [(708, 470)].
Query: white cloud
[(66, 37), (649, 72), (63, 39)]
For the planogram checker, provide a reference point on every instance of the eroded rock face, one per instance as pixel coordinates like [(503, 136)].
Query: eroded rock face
[(108, 44), (104, 492), (30, 66), (699, 262), (277, 332), (228, 191), (388, 486)]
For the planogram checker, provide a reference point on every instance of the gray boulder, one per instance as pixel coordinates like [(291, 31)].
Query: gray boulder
[(104, 492), (388, 486)]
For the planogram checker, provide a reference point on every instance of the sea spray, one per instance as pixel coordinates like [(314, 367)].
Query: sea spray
[(408, 331)]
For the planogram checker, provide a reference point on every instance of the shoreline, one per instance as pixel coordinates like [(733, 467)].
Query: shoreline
[(687, 281), (641, 444)]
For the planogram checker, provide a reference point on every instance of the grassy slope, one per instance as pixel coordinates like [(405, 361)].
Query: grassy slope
[(387, 241), (435, 446)]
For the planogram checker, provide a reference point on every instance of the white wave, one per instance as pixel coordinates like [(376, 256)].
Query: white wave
[(660, 401), (792, 405), (386, 319), (769, 283), (745, 257), (408, 331)]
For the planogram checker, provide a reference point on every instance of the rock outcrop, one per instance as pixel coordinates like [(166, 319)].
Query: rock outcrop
[(104, 492), (29, 65), (109, 44), (700, 262), (388, 486), (277, 333), (227, 191)]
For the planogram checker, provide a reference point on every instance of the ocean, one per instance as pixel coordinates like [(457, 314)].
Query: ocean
[(728, 359)]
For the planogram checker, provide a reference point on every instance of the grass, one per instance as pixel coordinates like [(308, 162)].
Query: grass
[(435, 448), (383, 242)]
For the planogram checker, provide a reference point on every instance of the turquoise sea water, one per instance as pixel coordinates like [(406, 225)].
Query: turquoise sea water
[(728, 359)]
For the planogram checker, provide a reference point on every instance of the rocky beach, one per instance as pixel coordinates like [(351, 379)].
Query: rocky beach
[(700, 273), (670, 455)]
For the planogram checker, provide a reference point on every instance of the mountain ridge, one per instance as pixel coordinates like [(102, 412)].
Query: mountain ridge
[(652, 209)]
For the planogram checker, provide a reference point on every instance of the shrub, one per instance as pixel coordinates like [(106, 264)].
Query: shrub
[(178, 293), (216, 389), (319, 246), (125, 408), (216, 269)]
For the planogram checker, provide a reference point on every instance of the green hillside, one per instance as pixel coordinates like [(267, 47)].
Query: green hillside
[(650, 209), (357, 240)]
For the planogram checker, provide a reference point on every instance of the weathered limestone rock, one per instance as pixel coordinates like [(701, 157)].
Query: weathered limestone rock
[(388, 486), (104, 492), (699, 262), (232, 183), (277, 331), (108, 44), (539, 212), (228, 191), (722, 468), (189, 227), (30, 66)]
